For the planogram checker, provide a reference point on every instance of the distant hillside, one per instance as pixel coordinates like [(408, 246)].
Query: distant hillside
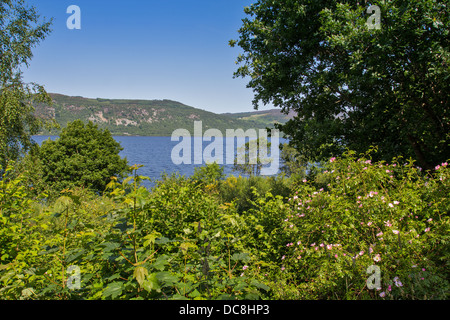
[(148, 117), (264, 118)]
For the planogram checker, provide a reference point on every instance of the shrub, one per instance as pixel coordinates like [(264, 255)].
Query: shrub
[(82, 156), (389, 215), (240, 190)]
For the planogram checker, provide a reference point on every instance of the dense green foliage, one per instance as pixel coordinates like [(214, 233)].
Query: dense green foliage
[(352, 86), (21, 29), (83, 156), (188, 239)]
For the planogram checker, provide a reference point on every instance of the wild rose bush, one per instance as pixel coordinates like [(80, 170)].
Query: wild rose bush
[(388, 215)]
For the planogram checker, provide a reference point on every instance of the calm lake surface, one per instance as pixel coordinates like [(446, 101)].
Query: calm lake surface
[(154, 153)]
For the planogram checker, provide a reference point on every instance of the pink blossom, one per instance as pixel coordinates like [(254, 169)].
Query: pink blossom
[(244, 267), (398, 283), (396, 231), (391, 205), (377, 258), (379, 234), (332, 159), (427, 229), (382, 294), (329, 246)]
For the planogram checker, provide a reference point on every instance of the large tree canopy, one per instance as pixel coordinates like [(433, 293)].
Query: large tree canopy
[(20, 30), (353, 86), (83, 156)]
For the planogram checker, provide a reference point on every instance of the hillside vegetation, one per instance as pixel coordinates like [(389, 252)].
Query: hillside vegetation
[(147, 117)]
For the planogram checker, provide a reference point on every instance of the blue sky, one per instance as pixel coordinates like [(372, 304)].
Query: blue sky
[(144, 49)]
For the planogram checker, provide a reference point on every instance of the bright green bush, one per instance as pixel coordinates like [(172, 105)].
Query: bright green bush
[(83, 156), (390, 215), (240, 190)]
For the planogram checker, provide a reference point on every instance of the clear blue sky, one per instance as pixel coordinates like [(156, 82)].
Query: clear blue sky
[(145, 49)]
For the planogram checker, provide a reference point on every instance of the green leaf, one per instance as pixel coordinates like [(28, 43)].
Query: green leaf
[(151, 283), (166, 279), (74, 254), (150, 238), (243, 256), (139, 274), (160, 263), (27, 293), (113, 290), (251, 296), (259, 285), (162, 240), (110, 246), (179, 297)]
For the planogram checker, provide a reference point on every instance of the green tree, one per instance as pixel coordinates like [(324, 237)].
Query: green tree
[(249, 160), (293, 163), (353, 86), (20, 30), (83, 156)]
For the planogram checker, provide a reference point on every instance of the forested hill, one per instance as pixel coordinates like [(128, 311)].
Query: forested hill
[(148, 117)]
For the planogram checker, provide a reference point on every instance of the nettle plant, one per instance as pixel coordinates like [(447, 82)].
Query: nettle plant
[(391, 215), (174, 242)]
